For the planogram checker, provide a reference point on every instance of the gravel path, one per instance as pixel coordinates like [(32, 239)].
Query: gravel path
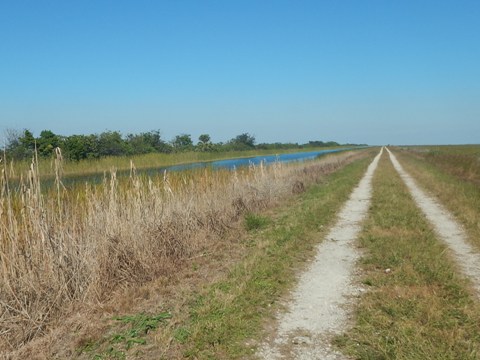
[(445, 226), (317, 310)]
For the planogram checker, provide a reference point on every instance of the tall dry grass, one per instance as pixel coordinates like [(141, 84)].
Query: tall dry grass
[(61, 246)]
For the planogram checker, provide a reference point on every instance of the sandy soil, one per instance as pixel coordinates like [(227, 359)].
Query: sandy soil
[(445, 226), (318, 308)]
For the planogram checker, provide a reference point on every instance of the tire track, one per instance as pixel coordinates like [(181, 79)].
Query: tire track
[(445, 226), (318, 308)]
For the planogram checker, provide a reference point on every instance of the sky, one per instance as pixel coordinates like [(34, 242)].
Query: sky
[(370, 71)]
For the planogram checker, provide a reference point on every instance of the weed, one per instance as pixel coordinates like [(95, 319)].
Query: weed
[(255, 222), (182, 335), (138, 326)]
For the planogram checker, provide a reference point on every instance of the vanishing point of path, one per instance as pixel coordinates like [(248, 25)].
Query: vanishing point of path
[(319, 306)]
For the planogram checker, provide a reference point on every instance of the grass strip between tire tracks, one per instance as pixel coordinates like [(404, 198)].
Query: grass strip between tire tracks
[(417, 305)]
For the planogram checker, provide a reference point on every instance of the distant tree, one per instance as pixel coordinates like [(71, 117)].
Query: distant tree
[(147, 142), (110, 143), (22, 144), (318, 143), (80, 147), (139, 144), (243, 141), (15, 149), (154, 139), (315, 143), (47, 142), (182, 142), (28, 141), (204, 143), (204, 138)]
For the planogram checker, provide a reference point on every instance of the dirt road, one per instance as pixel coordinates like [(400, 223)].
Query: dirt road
[(445, 226), (319, 306)]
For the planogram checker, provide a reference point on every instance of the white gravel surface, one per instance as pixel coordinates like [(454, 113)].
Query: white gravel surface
[(445, 226), (318, 309)]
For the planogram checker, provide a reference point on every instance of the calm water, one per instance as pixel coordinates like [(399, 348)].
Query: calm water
[(255, 160), (220, 164)]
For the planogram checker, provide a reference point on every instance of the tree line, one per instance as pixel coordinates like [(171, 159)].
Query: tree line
[(23, 144)]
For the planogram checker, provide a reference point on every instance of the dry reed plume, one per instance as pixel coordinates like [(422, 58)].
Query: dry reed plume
[(59, 246)]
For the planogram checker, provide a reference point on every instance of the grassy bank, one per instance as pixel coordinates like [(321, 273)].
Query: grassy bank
[(417, 305), (156, 160)]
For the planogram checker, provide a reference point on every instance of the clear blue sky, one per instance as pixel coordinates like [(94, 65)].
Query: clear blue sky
[(377, 72)]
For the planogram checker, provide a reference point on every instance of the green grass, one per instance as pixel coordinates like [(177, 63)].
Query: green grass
[(421, 308), (133, 332), (232, 311), (255, 221)]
